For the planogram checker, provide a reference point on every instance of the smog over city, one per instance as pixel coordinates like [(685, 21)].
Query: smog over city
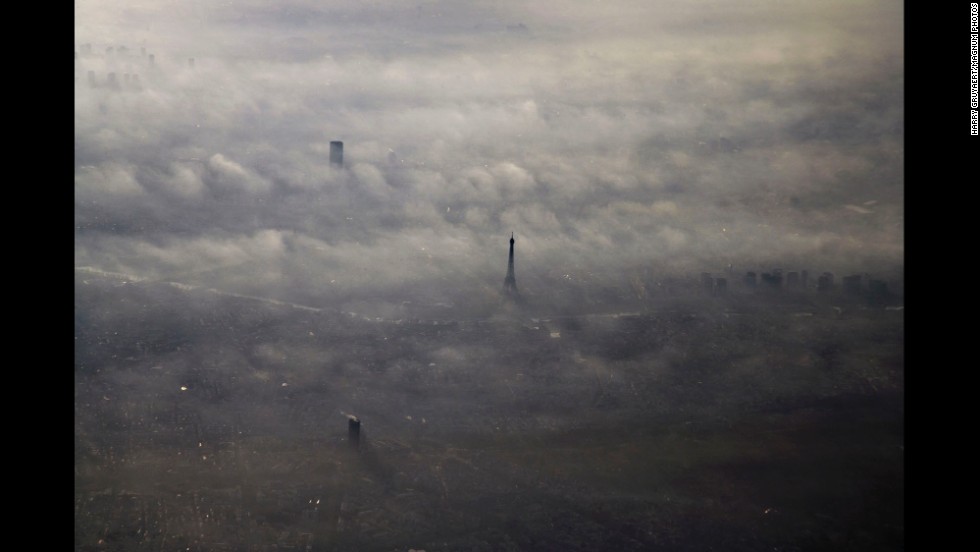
[(496, 275)]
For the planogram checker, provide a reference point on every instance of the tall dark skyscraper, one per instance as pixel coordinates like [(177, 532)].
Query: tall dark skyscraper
[(510, 283), (337, 153), (354, 431)]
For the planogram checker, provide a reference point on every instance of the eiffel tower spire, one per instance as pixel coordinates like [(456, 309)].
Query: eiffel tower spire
[(510, 283)]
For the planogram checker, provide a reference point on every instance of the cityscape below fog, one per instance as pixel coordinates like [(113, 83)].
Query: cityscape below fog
[(209, 421), (489, 276)]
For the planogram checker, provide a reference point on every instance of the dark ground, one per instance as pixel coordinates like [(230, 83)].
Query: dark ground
[(740, 424)]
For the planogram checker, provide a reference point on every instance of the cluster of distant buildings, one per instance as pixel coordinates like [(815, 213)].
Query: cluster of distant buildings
[(109, 60), (775, 280), (118, 66)]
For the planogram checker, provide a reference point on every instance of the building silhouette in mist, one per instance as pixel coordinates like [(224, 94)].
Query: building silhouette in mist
[(510, 283), (825, 282), (337, 153), (707, 283), (354, 431), (878, 292), (851, 284), (855, 286), (773, 279), (721, 286)]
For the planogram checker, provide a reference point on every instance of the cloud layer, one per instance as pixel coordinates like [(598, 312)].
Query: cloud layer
[(606, 136)]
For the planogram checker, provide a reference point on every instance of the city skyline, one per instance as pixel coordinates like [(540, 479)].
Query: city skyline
[(292, 320)]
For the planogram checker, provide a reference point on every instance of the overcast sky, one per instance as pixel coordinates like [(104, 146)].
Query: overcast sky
[(681, 136)]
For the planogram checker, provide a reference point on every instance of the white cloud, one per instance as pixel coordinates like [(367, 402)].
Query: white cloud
[(229, 176), (106, 182), (185, 181)]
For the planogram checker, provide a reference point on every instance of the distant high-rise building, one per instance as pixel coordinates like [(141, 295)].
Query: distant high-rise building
[(721, 286), (353, 431), (825, 282), (152, 58), (337, 153), (190, 62), (773, 279), (851, 284), (111, 81), (510, 282), (877, 292), (750, 279)]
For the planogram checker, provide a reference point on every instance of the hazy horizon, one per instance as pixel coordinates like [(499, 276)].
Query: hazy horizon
[(608, 136)]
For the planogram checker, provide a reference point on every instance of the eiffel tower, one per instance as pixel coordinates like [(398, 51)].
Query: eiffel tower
[(510, 284)]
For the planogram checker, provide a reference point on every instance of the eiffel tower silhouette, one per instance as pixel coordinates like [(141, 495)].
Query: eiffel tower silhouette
[(510, 283)]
